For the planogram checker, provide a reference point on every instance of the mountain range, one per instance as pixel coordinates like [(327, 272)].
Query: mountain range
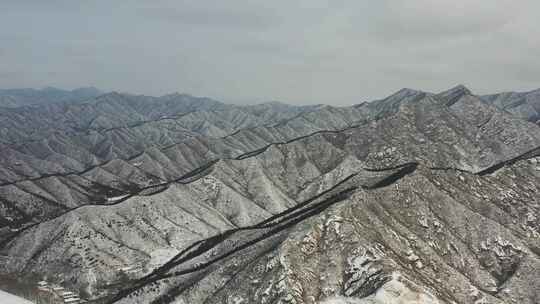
[(418, 197)]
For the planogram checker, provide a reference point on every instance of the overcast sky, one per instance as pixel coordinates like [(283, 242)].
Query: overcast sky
[(309, 51)]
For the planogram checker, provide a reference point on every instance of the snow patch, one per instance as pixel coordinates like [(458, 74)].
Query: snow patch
[(160, 256), (7, 298), (116, 198), (397, 290)]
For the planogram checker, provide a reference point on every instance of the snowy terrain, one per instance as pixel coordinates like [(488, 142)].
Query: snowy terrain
[(7, 298)]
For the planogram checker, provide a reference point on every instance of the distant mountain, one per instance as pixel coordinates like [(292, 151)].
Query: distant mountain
[(522, 104), (13, 98)]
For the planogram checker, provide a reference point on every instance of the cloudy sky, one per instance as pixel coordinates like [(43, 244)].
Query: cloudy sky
[(307, 51)]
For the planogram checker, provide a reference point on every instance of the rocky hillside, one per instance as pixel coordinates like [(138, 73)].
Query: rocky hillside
[(415, 198)]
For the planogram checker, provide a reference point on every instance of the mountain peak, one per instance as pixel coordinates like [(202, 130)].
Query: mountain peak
[(51, 89), (87, 90), (111, 95), (460, 88), (172, 95), (454, 94), (407, 91), (274, 102)]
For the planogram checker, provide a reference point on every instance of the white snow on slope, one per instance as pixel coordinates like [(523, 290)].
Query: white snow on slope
[(6, 298)]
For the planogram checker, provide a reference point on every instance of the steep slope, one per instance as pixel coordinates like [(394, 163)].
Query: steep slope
[(432, 237), (244, 209)]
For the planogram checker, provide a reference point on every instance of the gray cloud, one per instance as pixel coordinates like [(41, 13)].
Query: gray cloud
[(305, 51)]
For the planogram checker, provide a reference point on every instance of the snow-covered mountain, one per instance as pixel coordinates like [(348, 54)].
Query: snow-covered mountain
[(415, 198)]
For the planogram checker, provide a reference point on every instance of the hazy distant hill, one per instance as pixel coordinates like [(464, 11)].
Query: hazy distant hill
[(12, 98), (522, 104)]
